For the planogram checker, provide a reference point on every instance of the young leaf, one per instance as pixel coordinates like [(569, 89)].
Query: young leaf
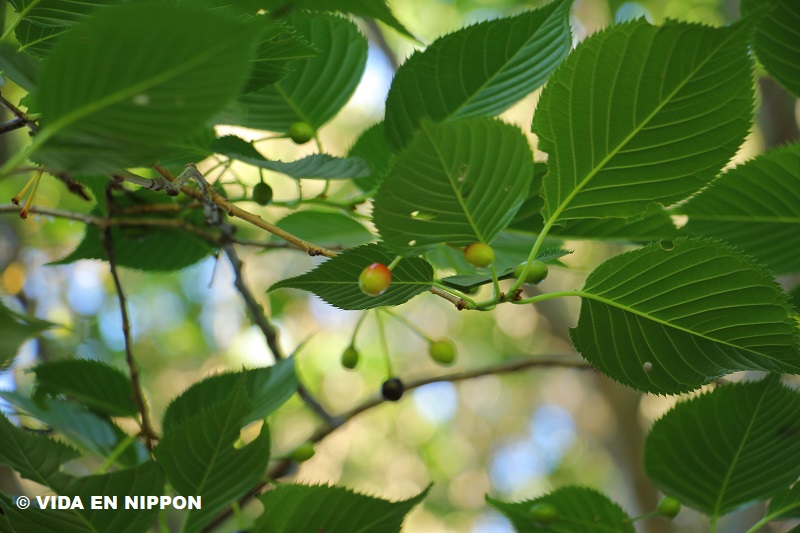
[(481, 70), (16, 329), (267, 388), (326, 229), (639, 114), (371, 147), (317, 88), (776, 39), (289, 508), (728, 448), (579, 510), (670, 320), (459, 182), (199, 458), (109, 102), (755, 206), (36, 458), (376, 9), (336, 280), (314, 166), (92, 383)]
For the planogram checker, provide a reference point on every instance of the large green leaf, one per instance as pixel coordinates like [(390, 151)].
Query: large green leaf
[(110, 100), (376, 9), (639, 114), (580, 510), (671, 319), (480, 70), (336, 280), (36, 458), (314, 166), (20, 68), (458, 182), (326, 229), (82, 428), (317, 88), (267, 388), (278, 46), (371, 147), (755, 206), (16, 329), (776, 39), (199, 458), (38, 520), (92, 383), (293, 508), (786, 504), (728, 448)]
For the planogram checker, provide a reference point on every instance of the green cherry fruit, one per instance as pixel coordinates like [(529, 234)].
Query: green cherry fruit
[(301, 132), (375, 279), (544, 513), (392, 389), (443, 351), (669, 507), (302, 453), (536, 273), (262, 193), (479, 254), (350, 357)]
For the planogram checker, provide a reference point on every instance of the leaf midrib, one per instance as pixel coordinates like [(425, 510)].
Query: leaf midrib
[(597, 168)]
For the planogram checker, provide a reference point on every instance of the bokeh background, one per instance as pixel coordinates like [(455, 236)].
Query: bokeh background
[(509, 436)]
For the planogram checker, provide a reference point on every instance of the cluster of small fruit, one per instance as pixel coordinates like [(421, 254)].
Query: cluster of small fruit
[(299, 133)]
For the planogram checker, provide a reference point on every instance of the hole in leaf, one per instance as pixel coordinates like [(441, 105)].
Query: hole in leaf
[(423, 215), (667, 246), (648, 366), (412, 242)]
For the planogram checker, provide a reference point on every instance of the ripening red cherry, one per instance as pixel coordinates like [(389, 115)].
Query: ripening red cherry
[(443, 351), (536, 273), (479, 254), (375, 279), (301, 132)]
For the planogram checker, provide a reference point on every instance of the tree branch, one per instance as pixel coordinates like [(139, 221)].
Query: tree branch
[(138, 396), (284, 466)]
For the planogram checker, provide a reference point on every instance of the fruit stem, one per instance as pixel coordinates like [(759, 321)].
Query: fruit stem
[(358, 327), (408, 324), (645, 516), (548, 296), (385, 344), (537, 245), (495, 282), (470, 302), (394, 262)]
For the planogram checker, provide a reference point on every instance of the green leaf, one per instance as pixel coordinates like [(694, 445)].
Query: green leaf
[(84, 429), (776, 39), (267, 389), (580, 510), (639, 114), (314, 166), (376, 9), (755, 206), (326, 229), (317, 88), (458, 183), (20, 68), (38, 520), (289, 508), (36, 458), (199, 458), (92, 383), (278, 46), (670, 320), (481, 70), (336, 280), (785, 504), (728, 448), (110, 102), (16, 329), (371, 147), (143, 248)]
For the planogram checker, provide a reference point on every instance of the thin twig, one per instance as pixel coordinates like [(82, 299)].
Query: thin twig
[(17, 112), (11, 125), (284, 466), (138, 396)]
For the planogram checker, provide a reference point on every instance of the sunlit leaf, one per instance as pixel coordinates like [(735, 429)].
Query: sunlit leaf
[(728, 448), (756, 207), (640, 114), (459, 182), (670, 319), (289, 508)]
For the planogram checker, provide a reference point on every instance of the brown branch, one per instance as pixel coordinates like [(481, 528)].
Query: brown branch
[(138, 396), (18, 113), (11, 125), (284, 466)]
